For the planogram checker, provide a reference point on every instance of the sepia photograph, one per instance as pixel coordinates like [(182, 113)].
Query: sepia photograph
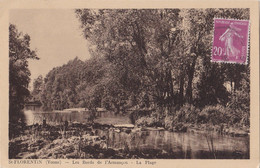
[(166, 83)]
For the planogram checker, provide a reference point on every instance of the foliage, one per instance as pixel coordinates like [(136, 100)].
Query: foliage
[(37, 88), (214, 115), (168, 122), (239, 105), (157, 51), (186, 114), (148, 121), (152, 58), (19, 74)]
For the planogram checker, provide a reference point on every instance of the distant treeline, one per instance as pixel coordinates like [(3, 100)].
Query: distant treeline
[(156, 59)]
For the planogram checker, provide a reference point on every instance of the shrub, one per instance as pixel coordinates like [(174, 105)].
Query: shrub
[(168, 122), (138, 114), (239, 107), (239, 116), (148, 121), (214, 114), (187, 113)]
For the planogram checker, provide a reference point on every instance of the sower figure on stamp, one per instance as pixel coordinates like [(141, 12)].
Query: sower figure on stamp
[(228, 37)]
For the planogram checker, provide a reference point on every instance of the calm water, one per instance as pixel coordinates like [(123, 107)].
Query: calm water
[(192, 145)]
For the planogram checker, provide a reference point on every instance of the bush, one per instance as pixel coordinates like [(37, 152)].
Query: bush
[(239, 107), (168, 122), (239, 116), (214, 114), (138, 114), (148, 121), (187, 113)]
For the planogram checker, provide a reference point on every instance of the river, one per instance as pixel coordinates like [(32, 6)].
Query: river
[(188, 145)]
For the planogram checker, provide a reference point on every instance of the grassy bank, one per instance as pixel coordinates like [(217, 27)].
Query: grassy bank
[(211, 118), (82, 141)]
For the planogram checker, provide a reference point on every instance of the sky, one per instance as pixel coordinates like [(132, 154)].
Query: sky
[(55, 34)]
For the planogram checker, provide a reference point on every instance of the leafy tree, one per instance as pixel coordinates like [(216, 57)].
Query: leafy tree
[(149, 58), (133, 40), (239, 103), (19, 74), (164, 53), (37, 88)]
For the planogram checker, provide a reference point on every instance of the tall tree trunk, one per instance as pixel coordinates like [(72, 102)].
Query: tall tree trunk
[(170, 87), (191, 71), (181, 90), (139, 39)]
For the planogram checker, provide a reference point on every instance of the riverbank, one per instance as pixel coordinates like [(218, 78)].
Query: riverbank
[(223, 129), (217, 119), (79, 141)]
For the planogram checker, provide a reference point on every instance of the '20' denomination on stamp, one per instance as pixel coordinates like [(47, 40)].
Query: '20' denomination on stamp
[(230, 41)]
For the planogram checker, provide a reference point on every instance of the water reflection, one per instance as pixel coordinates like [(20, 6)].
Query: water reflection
[(54, 118), (191, 145), (37, 116), (188, 145)]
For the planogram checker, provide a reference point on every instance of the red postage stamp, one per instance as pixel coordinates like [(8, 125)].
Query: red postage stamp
[(230, 41)]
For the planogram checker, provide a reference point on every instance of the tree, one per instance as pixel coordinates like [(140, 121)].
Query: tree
[(197, 30), (37, 88), (162, 52), (139, 44), (239, 103), (19, 74)]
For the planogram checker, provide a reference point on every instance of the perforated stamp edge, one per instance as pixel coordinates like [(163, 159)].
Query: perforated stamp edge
[(248, 42)]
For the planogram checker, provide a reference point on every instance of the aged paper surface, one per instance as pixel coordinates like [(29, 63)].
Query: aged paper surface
[(7, 14)]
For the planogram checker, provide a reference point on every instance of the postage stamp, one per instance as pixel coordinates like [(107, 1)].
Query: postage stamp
[(230, 41)]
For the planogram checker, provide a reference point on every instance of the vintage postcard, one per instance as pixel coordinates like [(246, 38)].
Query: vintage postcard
[(129, 84)]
